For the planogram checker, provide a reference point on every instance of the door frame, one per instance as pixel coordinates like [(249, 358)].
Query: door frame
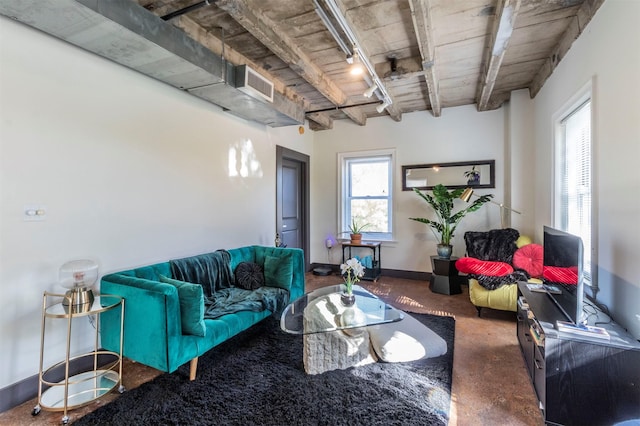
[(304, 160)]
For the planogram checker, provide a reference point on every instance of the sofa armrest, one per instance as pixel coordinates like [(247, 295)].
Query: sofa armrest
[(297, 281), (151, 321), (296, 288)]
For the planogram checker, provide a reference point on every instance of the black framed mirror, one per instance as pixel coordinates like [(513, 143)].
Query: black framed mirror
[(463, 174)]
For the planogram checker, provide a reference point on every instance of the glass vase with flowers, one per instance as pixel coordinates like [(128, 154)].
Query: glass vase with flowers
[(352, 270)]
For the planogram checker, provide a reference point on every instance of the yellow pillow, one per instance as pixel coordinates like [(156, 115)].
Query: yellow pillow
[(523, 240)]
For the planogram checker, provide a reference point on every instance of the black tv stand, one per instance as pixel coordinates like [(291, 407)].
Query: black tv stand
[(578, 380)]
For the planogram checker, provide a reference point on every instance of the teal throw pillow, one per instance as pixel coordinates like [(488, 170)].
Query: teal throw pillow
[(191, 298), (278, 271)]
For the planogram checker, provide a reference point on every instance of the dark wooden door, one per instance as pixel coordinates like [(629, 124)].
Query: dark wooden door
[(292, 199)]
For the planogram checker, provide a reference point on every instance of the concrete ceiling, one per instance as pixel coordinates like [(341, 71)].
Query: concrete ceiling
[(428, 54)]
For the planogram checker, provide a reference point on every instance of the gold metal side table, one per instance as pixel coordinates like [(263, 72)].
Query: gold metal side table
[(94, 381)]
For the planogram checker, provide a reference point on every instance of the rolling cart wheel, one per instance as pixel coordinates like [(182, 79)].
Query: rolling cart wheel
[(36, 410), (65, 420), (121, 389)]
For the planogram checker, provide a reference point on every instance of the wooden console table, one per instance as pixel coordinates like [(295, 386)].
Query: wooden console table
[(578, 380), (370, 274)]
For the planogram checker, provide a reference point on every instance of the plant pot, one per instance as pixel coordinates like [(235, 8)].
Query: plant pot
[(356, 238), (444, 251), (474, 180)]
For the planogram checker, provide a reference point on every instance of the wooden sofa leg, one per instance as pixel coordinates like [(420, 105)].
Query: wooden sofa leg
[(479, 309), (193, 366)]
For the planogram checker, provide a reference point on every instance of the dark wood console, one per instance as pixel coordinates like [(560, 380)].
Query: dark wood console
[(578, 380)]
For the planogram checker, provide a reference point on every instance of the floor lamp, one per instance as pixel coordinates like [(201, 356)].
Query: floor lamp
[(466, 196)]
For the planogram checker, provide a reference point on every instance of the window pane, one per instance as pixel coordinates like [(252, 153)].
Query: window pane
[(575, 178), (367, 191), (372, 211), (369, 179)]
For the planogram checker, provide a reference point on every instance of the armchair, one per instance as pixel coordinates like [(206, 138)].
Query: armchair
[(496, 260)]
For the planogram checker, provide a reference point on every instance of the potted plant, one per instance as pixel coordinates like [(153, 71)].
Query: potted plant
[(446, 222), (473, 176), (355, 231)]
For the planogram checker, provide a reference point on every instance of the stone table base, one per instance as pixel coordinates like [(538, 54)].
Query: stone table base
[(339, 349)]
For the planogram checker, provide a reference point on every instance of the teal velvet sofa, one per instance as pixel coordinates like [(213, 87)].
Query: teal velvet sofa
[(153, 332)]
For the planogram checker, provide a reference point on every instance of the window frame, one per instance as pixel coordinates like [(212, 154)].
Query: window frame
[(344, 158), (583, 96)]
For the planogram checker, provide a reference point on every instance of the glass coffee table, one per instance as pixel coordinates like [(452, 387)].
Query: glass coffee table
[(335, 336)]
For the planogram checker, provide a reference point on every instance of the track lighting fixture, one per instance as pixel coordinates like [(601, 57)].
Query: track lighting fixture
[(339, 28), (369, 92), (356, 65), (382, 106)]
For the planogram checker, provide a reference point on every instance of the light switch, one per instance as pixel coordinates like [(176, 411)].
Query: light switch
[(34, 213)]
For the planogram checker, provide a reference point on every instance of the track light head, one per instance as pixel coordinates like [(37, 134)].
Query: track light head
[(382, 106), (369, 92), (356, 64)]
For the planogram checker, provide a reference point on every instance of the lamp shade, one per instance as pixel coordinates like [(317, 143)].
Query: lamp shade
[(78, 276), (466, 195)]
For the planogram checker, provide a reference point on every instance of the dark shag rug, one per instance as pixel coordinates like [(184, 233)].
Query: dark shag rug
[(258, 378)]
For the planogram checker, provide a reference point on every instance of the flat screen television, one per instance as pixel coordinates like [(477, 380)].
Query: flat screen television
[(562, 269)]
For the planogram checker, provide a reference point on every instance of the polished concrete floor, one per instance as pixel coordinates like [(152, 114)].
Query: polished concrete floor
[(490, 383)]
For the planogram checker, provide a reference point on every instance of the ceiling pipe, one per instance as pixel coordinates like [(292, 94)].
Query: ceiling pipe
[(337, 108), (187, 9)]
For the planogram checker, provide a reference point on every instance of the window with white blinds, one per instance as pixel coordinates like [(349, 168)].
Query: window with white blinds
[(367, 182), (573, 177)]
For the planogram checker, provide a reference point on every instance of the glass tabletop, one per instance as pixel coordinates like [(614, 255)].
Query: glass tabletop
[(101, 303), (321, 311)]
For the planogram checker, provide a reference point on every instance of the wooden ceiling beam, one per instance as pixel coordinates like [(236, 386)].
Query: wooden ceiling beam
[(421, 16), (583, 17), (275, 39), (502, 28), (406, 68), (319, 121)]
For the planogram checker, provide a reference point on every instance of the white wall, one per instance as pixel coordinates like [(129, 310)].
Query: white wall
[(519, 152), (460, 134), (131, 171), (609, 53)]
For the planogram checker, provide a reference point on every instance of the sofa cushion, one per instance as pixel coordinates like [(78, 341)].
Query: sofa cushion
[(497, 244), (249, 276), (492, 282), (191, 297), (406, 340), (278, 271), (529, 258), (470, 265), (503, 298)]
